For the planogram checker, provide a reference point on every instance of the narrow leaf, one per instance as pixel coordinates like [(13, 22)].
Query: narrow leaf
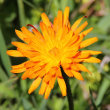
[(4, 57)]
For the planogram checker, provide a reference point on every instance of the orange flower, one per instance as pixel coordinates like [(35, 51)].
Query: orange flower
[(59, 44)]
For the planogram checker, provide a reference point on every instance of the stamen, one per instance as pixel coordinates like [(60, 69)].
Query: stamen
[(31, 26)]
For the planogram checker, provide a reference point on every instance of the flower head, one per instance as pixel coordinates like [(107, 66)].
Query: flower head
[(59, 44)]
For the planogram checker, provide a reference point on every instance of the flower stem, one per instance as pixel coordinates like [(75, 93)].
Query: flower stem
[(69, 94)]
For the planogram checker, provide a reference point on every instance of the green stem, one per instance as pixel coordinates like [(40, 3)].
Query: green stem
[(69, 94), (21, 12)]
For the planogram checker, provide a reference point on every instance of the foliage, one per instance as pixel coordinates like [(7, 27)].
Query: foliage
[(93, 93)]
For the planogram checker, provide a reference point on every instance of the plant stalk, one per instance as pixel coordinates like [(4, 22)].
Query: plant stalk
[(69, 94)]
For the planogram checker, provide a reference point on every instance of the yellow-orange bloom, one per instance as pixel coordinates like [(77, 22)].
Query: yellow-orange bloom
[(59, 44)]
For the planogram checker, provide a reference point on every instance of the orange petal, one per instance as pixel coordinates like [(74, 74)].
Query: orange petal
[(87, 53), (47, 78), (62, 85), (18, 66), (79, 29), (65, 65), (35, 69), (29, 64), (21, 45), (34, 85), (52, 34), (38, 34), (66, 16), (65, 31), (75, 25), (91, 52), (68, 25), (82, 54), (55, 24), (14, 53), (26, 74), (43, 88), (28, 53), (77, 60), (52, 82), (74, 67), (47, 92), (21, 35), (18, 70), (68, 72), (88, 42), (59, 17), (45, 19), (27, 32), (38, 72), (31, 37), (36, 58), (84, 33), (82, 68), (66, 60), (92, 60), (67, 38), (77, 75), (58, 35), (45, 32), (58, 72)]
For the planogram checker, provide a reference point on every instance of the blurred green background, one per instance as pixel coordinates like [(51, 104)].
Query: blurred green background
[(91, 94)]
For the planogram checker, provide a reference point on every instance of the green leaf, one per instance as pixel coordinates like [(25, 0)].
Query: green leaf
[(103, 88), (104, 23), (43, 104), (65, 3), (21, 12), (3, 76), (11, 17), (4, 57), (6, 89), (23, 85), (27, 105), (107, 3), (30, 4), (92, 100)]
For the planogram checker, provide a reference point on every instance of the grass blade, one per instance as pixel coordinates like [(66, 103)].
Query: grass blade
[(3, 76), (4, 57), (29, 4), (43, 105), (21, 12), (104, 86), (92, 100)]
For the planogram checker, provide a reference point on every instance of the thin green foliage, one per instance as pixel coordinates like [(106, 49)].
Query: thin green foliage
[(4, 57), (92, 100), (14, 91), (3, 76), (29, 4), (21, 12), (102, 90)]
